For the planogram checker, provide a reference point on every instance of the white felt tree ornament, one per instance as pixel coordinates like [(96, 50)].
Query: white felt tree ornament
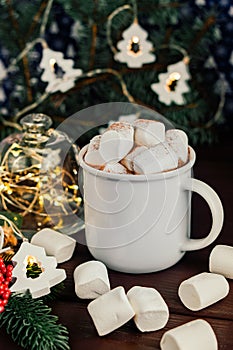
[(134, 49), (58, 71), (49, 276), (173, 84)]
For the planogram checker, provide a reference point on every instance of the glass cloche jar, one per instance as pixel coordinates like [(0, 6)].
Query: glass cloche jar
[(39, 176)]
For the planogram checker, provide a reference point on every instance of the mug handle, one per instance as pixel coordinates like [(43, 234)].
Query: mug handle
[(216, 209)]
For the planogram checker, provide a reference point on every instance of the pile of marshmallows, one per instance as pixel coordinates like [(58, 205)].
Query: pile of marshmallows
[(141, 148), (110, 309)]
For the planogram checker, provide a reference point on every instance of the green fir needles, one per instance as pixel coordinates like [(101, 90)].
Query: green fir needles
[(31, 325)]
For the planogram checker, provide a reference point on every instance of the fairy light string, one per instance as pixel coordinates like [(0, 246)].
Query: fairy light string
[(132, 7), (109, 25), (15, 230)]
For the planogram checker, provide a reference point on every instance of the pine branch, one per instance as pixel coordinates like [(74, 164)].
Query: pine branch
[(94, 30), (21, 46), (31, 325), (209, 22), (37, 17)]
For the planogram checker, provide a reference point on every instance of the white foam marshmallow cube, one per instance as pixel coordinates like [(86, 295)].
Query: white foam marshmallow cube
[(110, 311), (155, 159), (128, 161), (115, 168), (178, 141), (194, 335), (55, 244), (91, 280), (151, 311), (93, 156), (221, 260), (203, 290), (148, 132), (116, 142)]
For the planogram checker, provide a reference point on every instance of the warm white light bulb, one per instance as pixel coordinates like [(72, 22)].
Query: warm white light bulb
[(172, 81), (52, 63)]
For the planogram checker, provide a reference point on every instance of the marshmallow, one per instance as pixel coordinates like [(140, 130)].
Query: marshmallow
[(203, 290), (221, 260), (178, 141), (156, 159), (116, 142), (55, 243), (91, 280), (151, 311), (110, 311), (148, 132), (197, 334), (93, 156), (129, 158), (115, 168)]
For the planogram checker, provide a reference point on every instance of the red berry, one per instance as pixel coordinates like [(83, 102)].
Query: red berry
[(9, 267), (6, 295), (2, 309), (5, 301), (6, 287), (8, 274)]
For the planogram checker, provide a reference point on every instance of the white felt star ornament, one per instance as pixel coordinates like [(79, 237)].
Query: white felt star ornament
[(134, 49), (58, 71), (49, 276), (173, 84)]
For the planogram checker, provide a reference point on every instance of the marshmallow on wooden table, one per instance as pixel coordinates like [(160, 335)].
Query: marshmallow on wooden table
[(148, 132), (203, 290), (178, 141), (151, 311), (91, 280), (115, 168), (93, 156), (110, 311), (116, 142), (128, 161), (155, 159), (194, 335), (221, 260), (55, 243)]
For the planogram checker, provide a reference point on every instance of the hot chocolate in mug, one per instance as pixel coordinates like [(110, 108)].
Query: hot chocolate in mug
[(141, 223)]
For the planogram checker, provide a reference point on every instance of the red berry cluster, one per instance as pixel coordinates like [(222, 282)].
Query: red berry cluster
[(5, 279)]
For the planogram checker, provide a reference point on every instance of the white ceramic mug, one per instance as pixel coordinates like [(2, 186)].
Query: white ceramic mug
[(141, 223)]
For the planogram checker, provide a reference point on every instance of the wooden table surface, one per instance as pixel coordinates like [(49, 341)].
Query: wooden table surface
[(215, 166)]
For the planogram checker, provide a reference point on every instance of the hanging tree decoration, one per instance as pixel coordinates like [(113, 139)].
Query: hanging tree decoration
[(134, 49), (173, 84), (58, 71), (35, 271)]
